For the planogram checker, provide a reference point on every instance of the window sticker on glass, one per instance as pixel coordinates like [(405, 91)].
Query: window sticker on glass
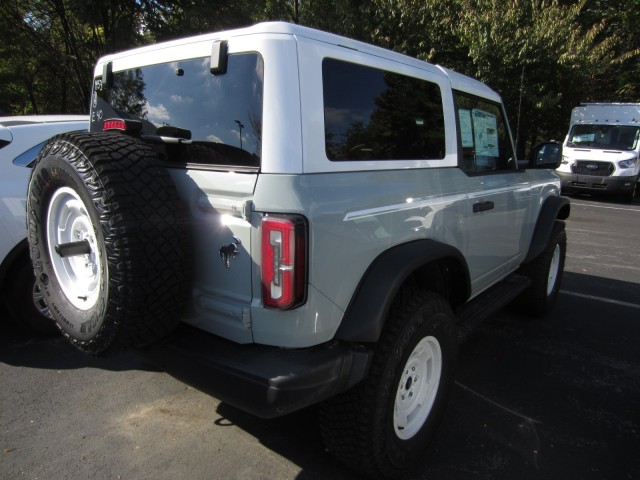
[(466, 131), (584, 138), (485, 129)]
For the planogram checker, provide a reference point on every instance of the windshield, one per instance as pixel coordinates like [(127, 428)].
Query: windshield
[(614, 137), (216, 119)]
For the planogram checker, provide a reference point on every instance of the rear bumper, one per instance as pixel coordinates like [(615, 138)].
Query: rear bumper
[(593, 184), (265, 381)]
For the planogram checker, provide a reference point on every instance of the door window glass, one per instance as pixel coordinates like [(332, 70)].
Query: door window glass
[(484, 139)]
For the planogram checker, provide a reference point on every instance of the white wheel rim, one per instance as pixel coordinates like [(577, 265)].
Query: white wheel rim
[(418, 388), (553, 270), (68, 221)]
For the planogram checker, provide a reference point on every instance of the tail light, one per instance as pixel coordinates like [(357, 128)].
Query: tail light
[(121, 124), (284, 261), (114, 124)]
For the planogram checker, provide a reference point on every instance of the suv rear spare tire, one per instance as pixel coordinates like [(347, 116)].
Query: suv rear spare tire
[(107, 241)]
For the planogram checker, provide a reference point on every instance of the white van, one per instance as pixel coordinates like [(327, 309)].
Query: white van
[(601, 150)]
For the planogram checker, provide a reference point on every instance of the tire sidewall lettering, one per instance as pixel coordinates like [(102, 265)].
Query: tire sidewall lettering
[(56, 173), (134, 211)]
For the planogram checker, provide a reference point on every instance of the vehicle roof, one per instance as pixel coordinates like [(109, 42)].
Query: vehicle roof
[(458, 81), (606, 113), (10, 121)]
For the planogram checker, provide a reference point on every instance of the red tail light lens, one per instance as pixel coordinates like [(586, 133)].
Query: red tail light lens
[(284, 261), (124, 125), (114, 124)]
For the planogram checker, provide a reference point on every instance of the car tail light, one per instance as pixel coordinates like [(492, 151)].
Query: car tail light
[(284, 261), (124, 125), (115, 124)]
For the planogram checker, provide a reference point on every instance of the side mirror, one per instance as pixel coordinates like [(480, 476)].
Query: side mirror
[(546, 155)]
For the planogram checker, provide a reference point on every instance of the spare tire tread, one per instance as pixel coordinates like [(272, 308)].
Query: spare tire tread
[(146, 241)]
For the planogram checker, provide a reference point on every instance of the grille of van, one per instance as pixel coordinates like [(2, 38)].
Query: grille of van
[(596, 169)]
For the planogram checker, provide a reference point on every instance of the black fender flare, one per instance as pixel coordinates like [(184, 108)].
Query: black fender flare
[(367, 311), (554, 208)]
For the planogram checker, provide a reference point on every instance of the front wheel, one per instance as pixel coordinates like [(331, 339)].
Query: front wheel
[(383, 426), (631, 194), (545, 273)]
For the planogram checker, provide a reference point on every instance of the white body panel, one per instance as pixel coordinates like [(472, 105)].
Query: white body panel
[(356, 209), (23, 133)]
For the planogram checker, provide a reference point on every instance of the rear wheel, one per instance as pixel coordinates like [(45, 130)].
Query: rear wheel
[(107, 241), (383, 426)]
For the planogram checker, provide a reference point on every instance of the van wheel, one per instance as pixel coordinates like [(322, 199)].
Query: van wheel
[(383, 426), (107, 241), (545, 273), (629, 196)]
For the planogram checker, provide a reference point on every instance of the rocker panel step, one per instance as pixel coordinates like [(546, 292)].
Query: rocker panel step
[(470, 315)]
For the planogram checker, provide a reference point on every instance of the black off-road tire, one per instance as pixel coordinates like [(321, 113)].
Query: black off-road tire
[(545, 273), (359, 427), (110, 193), (24, 303)]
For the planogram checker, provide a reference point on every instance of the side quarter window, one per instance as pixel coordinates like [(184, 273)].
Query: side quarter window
[(485, 143), (373, 114)]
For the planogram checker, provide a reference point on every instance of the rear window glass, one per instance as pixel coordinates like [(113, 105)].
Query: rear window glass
[(216, 119), (373, 114)]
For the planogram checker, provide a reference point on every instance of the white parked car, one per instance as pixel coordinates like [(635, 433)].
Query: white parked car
[(21, 139)]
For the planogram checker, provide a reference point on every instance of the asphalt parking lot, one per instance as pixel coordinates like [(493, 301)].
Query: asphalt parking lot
[(557, 398)]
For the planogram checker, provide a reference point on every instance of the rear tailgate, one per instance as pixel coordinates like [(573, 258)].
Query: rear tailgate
[(222, 291)]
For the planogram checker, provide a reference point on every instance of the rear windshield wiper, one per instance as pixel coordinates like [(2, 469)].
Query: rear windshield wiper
[(169, 134)]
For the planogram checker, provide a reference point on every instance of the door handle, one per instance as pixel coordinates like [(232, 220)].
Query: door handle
[(482, 206)]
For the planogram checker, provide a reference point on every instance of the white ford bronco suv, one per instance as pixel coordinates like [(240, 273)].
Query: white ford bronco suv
[(291, 218)]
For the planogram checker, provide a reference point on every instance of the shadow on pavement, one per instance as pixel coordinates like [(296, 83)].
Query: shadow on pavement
[(601, 287), (295, 436), (20, 347), (550, 398)]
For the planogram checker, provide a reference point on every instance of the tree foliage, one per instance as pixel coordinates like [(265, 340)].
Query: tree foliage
[(543, 56), (534, 54)]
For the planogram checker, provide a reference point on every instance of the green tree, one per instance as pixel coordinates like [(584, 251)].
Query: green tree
[(51, 47), (180, 18), (538, 55), (620, 19), (543, 56)]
